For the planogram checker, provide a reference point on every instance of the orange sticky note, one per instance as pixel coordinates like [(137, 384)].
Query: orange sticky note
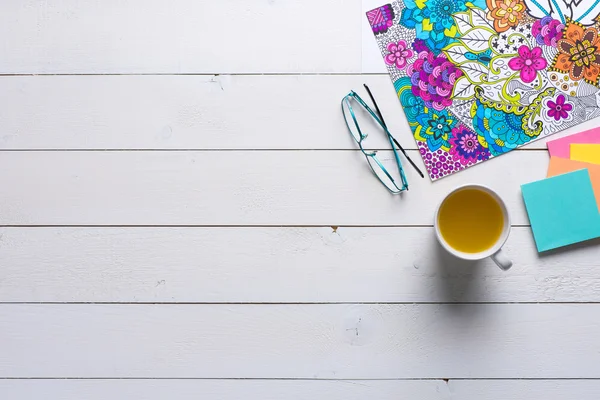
[(559, 166)]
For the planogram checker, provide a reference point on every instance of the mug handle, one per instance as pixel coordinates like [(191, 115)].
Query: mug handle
[(501, 260)]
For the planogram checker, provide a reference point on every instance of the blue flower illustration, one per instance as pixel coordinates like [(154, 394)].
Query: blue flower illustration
[(501, 131), (433, 21), (413, 105), (435, 128)]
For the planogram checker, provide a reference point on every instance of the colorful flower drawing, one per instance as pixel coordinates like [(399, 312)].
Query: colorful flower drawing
[(413, 105), (579, 53), (529, 62), (433, 20), (547, 31), (435, 128), (399, 53), (559, 109), (420, 46), (465, 146), (432, 78), (505, 13), (500, 130), (381, 19), (480, 78), (438, 163)]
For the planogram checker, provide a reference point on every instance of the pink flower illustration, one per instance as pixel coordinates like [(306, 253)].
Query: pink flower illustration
[(528, 62), (399, 53), (465, 146), (547, 31), (432, 78), (560, 109)]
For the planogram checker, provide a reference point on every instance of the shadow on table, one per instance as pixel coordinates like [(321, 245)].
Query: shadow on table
[(573, 247), (457, 277)]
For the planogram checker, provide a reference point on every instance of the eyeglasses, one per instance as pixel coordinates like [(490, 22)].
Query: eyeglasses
[(352, 116)]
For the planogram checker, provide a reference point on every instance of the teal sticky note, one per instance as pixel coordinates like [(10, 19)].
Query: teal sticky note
[(562, 210)]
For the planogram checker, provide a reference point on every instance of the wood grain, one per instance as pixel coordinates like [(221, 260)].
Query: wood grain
[(235, 188), (194, 112), (309, 265), (299, 390), (181, 36), (300, 341)]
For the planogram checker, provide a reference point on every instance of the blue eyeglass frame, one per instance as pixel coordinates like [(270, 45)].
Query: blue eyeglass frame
[(372, 155)]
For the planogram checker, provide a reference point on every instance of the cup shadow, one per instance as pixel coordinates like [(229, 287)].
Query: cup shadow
[(458, 277)]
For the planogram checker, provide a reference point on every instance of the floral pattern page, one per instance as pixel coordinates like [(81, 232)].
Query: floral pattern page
[(480, 78)]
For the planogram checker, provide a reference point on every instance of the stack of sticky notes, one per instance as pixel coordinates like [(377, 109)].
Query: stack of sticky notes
[(565, 208)]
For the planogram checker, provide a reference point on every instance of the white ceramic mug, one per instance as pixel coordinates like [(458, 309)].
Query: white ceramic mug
[(495, 252)]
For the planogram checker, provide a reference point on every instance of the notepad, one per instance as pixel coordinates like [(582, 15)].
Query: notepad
[(562, 147), (562, 210), (589, 153), (560, 166)]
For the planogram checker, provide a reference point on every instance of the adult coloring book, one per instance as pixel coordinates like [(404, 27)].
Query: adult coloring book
[(480, 78)]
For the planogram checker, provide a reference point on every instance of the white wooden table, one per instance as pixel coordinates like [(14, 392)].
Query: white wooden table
[(184, 216)]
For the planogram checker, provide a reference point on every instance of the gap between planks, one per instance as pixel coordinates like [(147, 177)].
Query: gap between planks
[(300, 303), (212, 150), (334, 227), (292, 379), (213, 74)]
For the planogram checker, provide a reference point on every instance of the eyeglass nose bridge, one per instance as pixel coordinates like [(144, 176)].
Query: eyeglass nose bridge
[(369, 153)]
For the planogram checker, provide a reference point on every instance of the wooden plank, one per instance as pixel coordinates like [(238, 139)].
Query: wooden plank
[(187, 112), (222, 389), (181, 36), (300, 341), (525, 389), (234, 188), (299, 390), (193, 112), (310, 265)]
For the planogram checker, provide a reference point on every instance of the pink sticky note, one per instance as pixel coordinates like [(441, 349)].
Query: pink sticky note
[(561, 147)]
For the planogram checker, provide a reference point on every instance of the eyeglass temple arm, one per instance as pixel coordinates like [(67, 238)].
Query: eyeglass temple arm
[(386, 128)]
